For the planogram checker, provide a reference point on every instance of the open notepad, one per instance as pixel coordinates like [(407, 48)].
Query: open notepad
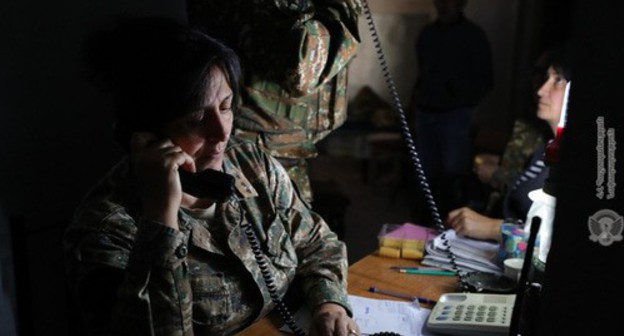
[(472, 254), (374, 316)]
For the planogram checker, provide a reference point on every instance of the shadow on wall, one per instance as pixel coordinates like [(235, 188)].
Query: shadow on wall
[(56, 138), (8, 297), (39, 280)]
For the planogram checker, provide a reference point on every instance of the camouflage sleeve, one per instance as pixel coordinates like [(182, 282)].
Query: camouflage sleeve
[(300, 44), (520, 147), (146, 288), (326, 43), (322, 257)]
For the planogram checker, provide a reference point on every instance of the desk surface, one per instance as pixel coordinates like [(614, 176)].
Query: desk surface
[(374, 270)]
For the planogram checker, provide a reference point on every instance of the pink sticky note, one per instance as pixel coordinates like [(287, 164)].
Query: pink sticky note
[(413, 232)]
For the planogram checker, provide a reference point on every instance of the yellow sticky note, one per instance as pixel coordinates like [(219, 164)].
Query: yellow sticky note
[(389, 252)]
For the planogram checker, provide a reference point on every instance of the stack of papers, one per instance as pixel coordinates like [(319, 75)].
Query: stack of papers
[(471, 254)]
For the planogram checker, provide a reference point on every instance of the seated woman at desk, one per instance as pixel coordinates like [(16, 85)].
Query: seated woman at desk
[(498, 173), (516, 204), (147, 258)]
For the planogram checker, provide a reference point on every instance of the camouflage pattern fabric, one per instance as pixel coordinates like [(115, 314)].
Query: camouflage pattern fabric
[(525, 140), (136, 277), (297, 169), (295, 56)]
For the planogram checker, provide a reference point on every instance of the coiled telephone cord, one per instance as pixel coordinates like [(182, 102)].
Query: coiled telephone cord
[(268, 277), (420, 174), (413, 154), (270, 281)]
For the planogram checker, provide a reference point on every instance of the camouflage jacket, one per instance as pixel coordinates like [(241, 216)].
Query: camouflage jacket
[(295, 56), (525, 140), (136, 277)]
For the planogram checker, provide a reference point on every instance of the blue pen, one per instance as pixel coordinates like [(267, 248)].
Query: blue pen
[(401, 295)]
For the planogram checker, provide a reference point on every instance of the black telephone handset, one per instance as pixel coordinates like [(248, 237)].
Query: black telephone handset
[(208, 183)]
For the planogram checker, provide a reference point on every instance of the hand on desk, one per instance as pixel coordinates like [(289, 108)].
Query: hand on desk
[(467, 222), (331, 319)]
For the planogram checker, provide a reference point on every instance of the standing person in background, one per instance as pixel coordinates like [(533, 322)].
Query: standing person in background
[(455, 73), (295, 56)]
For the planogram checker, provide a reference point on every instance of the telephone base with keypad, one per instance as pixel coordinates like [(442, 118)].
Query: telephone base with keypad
[(472, 314)]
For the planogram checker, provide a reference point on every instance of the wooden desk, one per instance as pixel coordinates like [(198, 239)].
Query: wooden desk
[(373, 270)]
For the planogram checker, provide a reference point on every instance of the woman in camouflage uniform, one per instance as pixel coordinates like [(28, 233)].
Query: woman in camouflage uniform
[(146, 258), (517, 203)]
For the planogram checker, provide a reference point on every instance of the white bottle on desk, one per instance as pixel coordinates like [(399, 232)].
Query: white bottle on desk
[(544, 207)]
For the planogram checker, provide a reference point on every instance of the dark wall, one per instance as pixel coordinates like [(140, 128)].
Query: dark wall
[(55, 135), (583, 278), (541, 25)]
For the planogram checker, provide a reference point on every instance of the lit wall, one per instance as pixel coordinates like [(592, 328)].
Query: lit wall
[(398, 23)]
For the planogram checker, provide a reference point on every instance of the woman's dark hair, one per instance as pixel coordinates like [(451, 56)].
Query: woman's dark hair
[(158, 70), (557, 57)]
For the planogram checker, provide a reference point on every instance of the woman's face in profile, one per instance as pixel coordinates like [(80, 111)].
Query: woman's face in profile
[(204, 133), (551, 95)]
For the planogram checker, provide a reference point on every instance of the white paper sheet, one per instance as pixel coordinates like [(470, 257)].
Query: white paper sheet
[(404, 318), (373, 315)]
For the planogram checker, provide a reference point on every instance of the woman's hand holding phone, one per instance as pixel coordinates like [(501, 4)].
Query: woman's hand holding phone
[(155, 163)]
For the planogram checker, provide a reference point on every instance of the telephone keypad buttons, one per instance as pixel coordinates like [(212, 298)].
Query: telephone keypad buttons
[(481, 313)]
